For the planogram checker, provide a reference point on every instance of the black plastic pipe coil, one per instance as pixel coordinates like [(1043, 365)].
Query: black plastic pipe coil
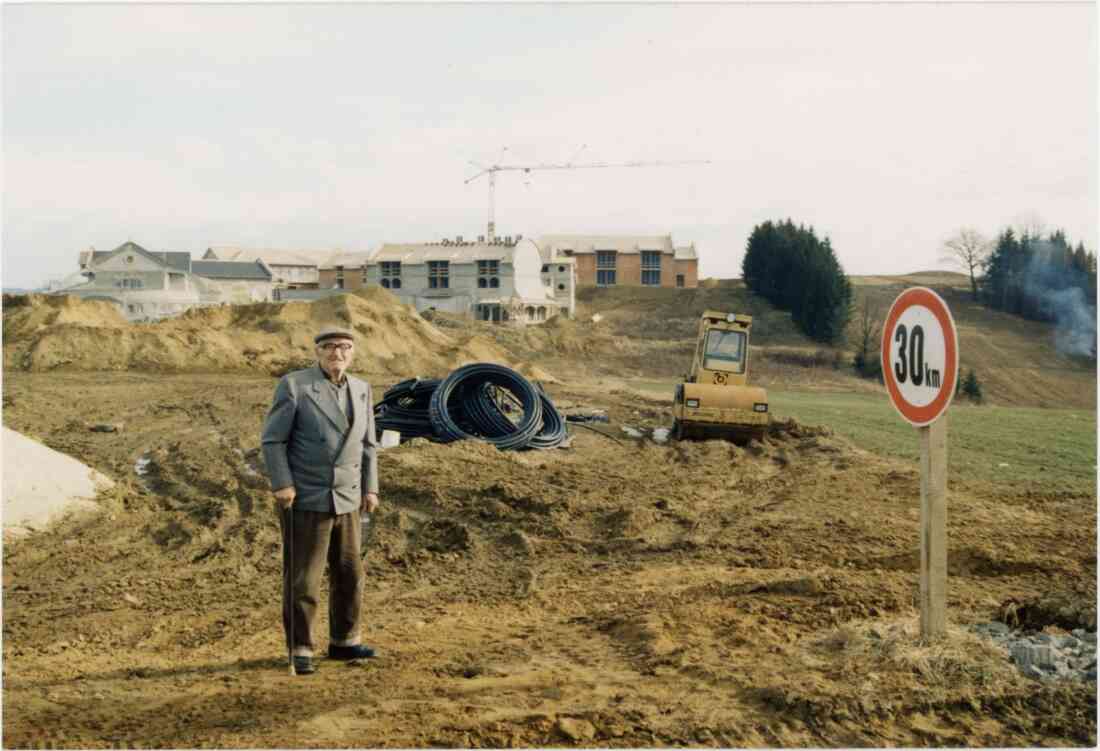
[(464, 406), (404, 408)]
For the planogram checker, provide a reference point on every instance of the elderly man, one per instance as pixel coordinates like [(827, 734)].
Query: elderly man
[(320, 451)]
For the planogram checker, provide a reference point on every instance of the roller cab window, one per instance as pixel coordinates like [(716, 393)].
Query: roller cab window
[(725, 350)]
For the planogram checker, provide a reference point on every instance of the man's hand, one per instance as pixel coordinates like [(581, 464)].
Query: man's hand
[(285, 496), (370, 502)]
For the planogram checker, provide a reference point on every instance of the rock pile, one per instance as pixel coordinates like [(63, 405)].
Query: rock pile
[(1044, 656)]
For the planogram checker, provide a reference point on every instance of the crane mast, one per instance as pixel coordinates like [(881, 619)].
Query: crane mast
[(492, 171)]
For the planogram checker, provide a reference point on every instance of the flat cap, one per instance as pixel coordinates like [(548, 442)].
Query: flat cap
[(333, 332)]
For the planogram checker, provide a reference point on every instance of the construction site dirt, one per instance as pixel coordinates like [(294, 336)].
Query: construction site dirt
[(614, 593)]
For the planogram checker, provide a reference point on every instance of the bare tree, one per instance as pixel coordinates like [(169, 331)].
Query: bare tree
[(867, 356), (968, 248)]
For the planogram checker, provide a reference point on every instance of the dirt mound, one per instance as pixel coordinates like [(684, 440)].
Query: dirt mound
[(55, 332)]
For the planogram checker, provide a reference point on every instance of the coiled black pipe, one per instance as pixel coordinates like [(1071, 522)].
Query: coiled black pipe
[(553, 432), (461, 391), (472, 407), (404, 408)]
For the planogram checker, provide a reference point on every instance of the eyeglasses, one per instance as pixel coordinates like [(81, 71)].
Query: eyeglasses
[(329, 346)]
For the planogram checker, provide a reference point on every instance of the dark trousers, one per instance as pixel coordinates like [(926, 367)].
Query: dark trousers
[(321, 537)]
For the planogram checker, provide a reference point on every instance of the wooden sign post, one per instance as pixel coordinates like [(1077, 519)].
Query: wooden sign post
[(920, 366)]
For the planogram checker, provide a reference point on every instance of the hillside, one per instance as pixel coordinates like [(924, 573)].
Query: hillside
[(633, 332), (1016, 360)]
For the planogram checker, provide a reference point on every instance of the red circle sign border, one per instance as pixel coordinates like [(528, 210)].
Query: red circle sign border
[(929, 413)]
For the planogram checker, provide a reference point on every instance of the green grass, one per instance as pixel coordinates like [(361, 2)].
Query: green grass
[(1049, 448), (1052, 449)]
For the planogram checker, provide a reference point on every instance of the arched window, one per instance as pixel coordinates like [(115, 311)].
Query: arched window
[(530, 313), (546, 269), (561, 286), (481, 283), (396, 284), (561, 269), (542, 314), (494, 282), (386, 283)]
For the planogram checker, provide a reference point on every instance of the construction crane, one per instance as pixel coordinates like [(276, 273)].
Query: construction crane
[(492, 171)]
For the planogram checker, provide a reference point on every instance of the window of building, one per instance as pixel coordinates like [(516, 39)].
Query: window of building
[(339, 282), (488, 274), (129, 283), (561, 269), (364, 277), (679, 280), (545, 268), (391, 274), (439, 274), (605, 268), (651, 268), (489, 312), (561, 286)]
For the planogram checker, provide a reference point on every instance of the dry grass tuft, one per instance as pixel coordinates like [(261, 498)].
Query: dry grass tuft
[(958, 658)]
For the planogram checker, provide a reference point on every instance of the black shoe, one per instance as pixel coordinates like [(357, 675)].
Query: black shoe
[(353, 652), (303, 665)]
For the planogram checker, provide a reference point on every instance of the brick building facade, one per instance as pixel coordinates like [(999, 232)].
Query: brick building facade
[(625, 260)]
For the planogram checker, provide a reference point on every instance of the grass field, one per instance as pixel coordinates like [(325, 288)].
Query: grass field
[(1050, 448)]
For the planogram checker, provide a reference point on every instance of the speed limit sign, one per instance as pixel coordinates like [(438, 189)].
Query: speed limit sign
[(920, 365), (920, 355)]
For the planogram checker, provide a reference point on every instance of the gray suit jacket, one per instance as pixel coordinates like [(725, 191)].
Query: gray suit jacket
[(308, 443)]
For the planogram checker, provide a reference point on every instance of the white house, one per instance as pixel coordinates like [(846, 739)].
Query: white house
[(559, 275), (292, 269), (143, 284), (147, 285), (237, 282), (497, 281)]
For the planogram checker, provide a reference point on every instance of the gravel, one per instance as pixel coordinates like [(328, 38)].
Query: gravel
[(1046, 657)]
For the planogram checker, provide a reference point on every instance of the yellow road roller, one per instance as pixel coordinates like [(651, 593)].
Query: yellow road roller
[(715, 400)]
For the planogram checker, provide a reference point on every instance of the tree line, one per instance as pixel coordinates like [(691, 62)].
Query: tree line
[(1021, 273), (794, 270)]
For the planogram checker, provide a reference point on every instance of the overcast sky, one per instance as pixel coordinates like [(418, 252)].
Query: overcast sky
[(884, 126)]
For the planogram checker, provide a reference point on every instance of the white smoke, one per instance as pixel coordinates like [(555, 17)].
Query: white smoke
[(1075, 332), (1062, 300)]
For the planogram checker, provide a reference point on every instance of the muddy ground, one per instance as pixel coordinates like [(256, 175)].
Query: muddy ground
[(615, 593)]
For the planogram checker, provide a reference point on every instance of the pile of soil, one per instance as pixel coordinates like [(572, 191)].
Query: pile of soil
[(67, 333)]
